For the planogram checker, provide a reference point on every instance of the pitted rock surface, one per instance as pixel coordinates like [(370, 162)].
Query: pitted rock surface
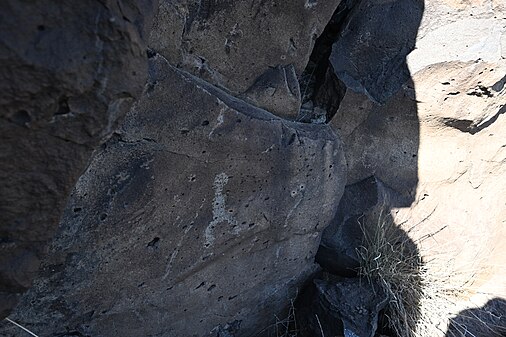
[(201, 207)]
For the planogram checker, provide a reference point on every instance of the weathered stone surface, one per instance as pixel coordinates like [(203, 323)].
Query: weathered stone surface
[(381, 141), (461, 170), (370, 53), (449, 118), (369, 58), (459, 30), (462, 154), (202, 210), (232, 43), (68, 73), (454, 130)]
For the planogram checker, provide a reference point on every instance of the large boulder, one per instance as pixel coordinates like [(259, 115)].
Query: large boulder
[(68, 73), (369, 60), (459, 70), (201, 214)]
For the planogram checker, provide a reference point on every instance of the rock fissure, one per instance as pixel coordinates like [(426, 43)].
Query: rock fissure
[(321, 91)]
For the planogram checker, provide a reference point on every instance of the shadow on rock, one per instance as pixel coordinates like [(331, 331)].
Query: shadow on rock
[(359, 78), (489, 321), (371, 271)]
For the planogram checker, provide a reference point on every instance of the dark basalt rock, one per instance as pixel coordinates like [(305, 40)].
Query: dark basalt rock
[(232, 43), (370, 54), (69, 72), (276, 90), (202, 210)]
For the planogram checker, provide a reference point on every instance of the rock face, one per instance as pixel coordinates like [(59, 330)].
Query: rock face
[(462, 153), (232, 43), (370, 53), (369, 58), (276, 90), (202, 207), (202, 214), (68, 74), (343, 237)]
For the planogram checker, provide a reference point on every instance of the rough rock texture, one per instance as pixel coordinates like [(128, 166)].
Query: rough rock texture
[(68, 73), (462, 153), (202, 211), (381, 140), (461, 170), (232, 43), (369, 58), (276, 90)]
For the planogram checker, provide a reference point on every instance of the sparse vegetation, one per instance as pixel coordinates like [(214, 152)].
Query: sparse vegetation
[(423, 294)]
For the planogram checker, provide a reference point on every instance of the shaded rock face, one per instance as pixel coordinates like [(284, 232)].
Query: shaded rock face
[(382, 140), (343, 237), (68, 74), (370, 54), (369, 58), (276, 90), (202, 210), (232, 43), (488, 320)]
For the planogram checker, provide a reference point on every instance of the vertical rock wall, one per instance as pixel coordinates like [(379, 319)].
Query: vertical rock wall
[(69, 72)]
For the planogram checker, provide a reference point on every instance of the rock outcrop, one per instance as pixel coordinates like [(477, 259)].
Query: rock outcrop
[(69, 72), (349, 305), (201, 207), (202, 214)]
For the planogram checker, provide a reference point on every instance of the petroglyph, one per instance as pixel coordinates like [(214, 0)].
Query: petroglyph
[(219, 212)]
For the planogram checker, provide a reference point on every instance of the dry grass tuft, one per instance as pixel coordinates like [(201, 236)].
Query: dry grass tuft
[(423, 294)]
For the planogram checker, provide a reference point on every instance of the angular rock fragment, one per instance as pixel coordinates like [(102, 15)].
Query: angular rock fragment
[(370, 54), (337, 253)]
